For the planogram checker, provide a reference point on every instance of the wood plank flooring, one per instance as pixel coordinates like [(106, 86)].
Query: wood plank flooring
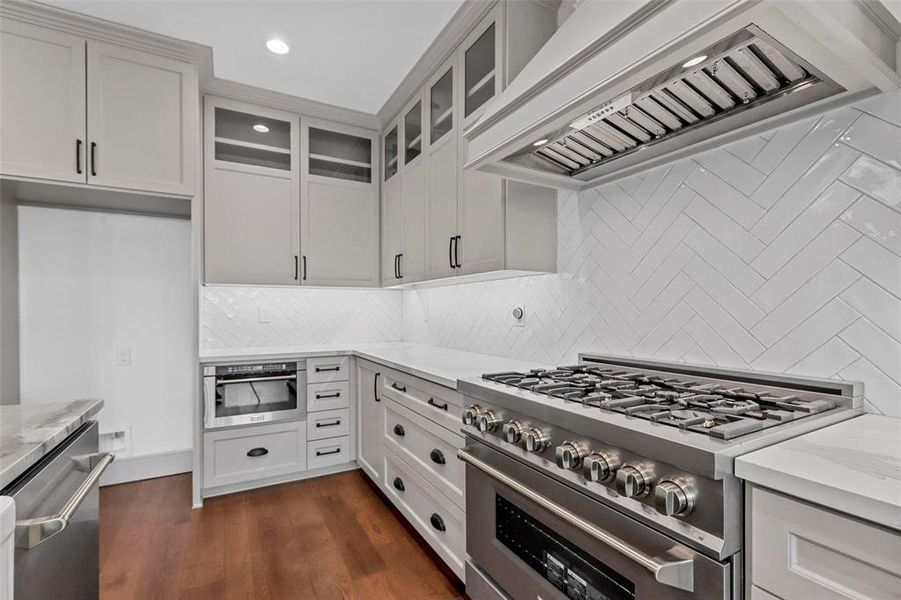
[(330, 537)]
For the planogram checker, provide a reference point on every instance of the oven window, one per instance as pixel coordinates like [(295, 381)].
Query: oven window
[(246, 398), (570, 569)]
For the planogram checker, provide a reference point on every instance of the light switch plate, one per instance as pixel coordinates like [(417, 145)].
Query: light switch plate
[(123, 357)]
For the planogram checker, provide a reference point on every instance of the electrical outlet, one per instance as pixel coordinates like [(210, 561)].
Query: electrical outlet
[(123, 357), (117, 441), (519, 315), (264, 315)]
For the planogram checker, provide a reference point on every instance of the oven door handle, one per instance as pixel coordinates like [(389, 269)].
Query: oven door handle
[(674, 573), (253, 379)]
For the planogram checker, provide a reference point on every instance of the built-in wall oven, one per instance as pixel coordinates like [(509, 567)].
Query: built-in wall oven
[(254, 393)]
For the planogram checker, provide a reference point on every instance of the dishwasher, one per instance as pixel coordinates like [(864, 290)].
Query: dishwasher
[(57, 552)]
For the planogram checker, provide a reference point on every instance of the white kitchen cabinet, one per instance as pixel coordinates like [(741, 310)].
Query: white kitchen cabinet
[(411, 265), (392, 232), (370, 420), (43, 124), (481, 62), (88, 112), (251, 195), (339, 205), (141, 128)]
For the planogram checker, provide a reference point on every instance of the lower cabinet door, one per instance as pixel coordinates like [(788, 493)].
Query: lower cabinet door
[(235, 456), (327, 453), (441, 522), (370, 420)]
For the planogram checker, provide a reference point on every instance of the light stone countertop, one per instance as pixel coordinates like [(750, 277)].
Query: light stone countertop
[(29, 431), (852, 467), (443, 366)]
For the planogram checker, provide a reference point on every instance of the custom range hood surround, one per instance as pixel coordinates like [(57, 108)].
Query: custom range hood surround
[(618, 88)]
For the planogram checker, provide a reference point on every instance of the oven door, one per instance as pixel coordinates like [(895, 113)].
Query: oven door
[(536, 538), (244, 394)]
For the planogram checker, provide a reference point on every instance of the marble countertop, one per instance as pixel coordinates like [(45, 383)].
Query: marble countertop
[(443, 366), (30, 431), (852, 467)]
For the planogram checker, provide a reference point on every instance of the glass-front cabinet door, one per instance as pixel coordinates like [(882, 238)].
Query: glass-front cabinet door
[(340, 155), (391, 153), (413, 133), (441, 106), (252, 140), (480, 62)]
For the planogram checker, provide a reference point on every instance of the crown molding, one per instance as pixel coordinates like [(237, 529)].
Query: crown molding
[(467, 16)]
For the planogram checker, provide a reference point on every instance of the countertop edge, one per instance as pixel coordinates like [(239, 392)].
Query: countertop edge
[(41, 450), (443, 381)]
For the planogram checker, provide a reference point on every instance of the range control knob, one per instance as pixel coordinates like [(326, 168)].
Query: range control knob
[(570, 454), (471, 414), (537, 440), (513, 432), (673, 499), (633, 481), (488, 421), (600, 466)]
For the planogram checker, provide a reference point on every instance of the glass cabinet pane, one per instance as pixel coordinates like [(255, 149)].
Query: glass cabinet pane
[(252, 140), (340, 155), (391, 153), (441, 106), (479, 72), (413, 133)]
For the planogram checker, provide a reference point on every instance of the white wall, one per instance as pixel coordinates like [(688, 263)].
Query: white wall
[(781, 252), (92, 283)]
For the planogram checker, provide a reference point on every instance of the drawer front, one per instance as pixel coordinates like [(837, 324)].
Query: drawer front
[(328, 424), (436, 403), (327, 369), (328, 396), (239, 455), (803, 551), (438, 520), (429, 448), (327, 453)]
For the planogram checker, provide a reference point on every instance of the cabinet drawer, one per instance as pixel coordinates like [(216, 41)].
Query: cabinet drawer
[(328, 424), (327, 369), (435, 402), (238, 455), (437, 519), (429, 448), (802, 551), (328, 396), (326, 453)]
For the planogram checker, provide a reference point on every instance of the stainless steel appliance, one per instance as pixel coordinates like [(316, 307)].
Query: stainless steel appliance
[(57, 553), (254, 393), (613, 479)]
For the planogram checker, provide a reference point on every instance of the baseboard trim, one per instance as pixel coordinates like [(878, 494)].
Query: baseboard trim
[(148, 466)]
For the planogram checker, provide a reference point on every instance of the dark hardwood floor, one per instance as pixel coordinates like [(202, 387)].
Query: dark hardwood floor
[(330, 537)]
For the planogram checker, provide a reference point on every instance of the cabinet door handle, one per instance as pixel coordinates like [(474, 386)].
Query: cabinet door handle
[(437, 456), (436, 405), (398, 484), (399, 388), (304, 268), (457, 251), (323, 396), (334, 423), (295, 267), (400, 270), (375, 387), (450, 251), (437, 522), (399, 430), (396, 266), (335, 451), (78, 156), (321, 369), (93, 159), (254, 452)]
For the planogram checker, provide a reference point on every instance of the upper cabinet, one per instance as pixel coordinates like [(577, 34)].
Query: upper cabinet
[(87, 112), (339, 205), (390, 152), (481, 62), (413, 132)]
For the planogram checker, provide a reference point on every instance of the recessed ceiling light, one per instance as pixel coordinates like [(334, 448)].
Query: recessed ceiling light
[(539, 143), (261, 128), (695, 61), (277, 46)]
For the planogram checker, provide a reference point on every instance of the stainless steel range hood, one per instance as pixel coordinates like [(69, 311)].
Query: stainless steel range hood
[(625, 107)]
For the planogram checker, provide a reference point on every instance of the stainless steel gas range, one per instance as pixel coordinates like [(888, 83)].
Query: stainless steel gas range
[(613, 479)]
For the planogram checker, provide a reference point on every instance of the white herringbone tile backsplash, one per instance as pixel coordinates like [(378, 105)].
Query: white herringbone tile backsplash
[(781, 252), (230, 316)]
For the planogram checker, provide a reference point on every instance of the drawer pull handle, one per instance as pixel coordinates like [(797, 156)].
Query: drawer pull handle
[(323, 369), (322, 396), (437, 522), (398, 484), (399, 430), (375, 387), (254, 452), (334, 423), (399, 388), (437, 456), (327, 452), (438, 406)]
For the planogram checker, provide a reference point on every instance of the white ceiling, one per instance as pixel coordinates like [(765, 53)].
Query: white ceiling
[(351, 53)]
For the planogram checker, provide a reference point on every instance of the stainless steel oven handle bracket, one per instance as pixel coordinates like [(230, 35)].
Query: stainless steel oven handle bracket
[(677, 573), (31, 532)]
